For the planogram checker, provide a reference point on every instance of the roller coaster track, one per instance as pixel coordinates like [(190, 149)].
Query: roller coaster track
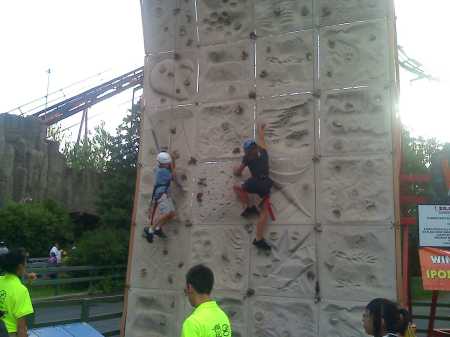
[(80, 102)]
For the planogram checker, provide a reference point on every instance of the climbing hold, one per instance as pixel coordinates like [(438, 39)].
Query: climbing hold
[(337, 124), (318, 228), (336, 213), (165, 252), (325, 11), (250, 292), (238, 110), (200, 197), (244, 55), (237, 26), (192, 161), (253, 36), (173, 131), (305, 11), (180, 265), (310, 275), (259, 316), (263, 74), (236, 150), (249, 228), (252, 95)]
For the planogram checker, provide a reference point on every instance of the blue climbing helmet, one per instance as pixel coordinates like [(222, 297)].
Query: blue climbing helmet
[(249, 144)]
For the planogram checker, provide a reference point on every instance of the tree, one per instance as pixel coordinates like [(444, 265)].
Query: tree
[(115, 202), (35, 226), (91, 153)]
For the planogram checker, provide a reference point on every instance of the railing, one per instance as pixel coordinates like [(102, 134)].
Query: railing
[(85, 311), (426, 316), (60, 274), (57, 276)]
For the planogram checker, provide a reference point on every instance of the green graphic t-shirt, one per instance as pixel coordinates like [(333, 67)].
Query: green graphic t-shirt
[(207, 320), (15, 301)]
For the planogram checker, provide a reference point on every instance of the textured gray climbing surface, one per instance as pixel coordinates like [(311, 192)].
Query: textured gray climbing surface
[(320, 74)]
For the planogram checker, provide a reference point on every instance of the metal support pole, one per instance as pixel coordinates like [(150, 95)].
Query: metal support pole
[(433, 306), (405, 266), (85, 129), (81, 127)]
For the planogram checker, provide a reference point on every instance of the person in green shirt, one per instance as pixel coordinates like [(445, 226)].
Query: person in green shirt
[(15, 301), (207, 319)]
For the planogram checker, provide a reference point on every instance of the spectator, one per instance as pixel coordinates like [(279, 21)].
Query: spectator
[(383, 317), (207, 319), (3, 248), (15, 301), (56, 254)]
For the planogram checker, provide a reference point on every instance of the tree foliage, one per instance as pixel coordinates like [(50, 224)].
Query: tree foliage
[(91, 153), (115, 202), (102, 246), (35, 226)]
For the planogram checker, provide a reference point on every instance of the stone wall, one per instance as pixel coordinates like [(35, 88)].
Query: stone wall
[(32, 167), (321, 75)]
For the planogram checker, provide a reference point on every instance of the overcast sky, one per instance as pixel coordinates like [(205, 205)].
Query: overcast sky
[(77, 39)]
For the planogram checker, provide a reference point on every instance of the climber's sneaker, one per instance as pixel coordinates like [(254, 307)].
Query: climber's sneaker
[(148, 234), (158, 232), (262, 244), (249, 211)]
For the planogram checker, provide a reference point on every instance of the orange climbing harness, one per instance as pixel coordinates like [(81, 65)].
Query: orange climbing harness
[(268, 204)]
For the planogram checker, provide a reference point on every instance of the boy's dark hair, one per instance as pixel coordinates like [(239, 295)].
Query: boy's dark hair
[(396, 320), (11, 260), (201, 278)]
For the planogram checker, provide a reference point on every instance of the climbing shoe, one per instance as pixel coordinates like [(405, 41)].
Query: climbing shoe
[(249, 211), (262, 244), (148, 235), (158, 232)]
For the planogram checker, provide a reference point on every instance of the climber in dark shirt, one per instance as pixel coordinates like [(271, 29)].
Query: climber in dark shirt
[(257, 161)]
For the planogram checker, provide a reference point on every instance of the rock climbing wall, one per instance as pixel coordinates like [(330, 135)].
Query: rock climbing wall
[(32, 167), (321, 75)]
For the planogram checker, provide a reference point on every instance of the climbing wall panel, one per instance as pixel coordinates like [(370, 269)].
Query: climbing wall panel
[(321, 75)]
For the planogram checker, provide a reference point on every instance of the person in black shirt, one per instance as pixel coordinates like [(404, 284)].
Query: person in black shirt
[(257, 161)]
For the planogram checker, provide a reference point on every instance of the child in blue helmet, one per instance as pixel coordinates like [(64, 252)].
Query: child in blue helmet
[(257, 161)]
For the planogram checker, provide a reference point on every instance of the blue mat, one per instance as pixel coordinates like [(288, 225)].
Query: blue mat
[(67, 330)]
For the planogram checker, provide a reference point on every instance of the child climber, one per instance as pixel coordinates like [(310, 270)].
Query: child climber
[(164, 174), (257, 161)]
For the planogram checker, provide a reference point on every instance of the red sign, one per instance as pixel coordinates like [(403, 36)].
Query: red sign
[(435, 265)]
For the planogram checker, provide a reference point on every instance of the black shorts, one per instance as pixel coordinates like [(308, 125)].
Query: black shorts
[(260, 186)]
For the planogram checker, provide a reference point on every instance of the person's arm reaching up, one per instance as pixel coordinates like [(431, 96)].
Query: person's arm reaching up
[(261, 136)]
